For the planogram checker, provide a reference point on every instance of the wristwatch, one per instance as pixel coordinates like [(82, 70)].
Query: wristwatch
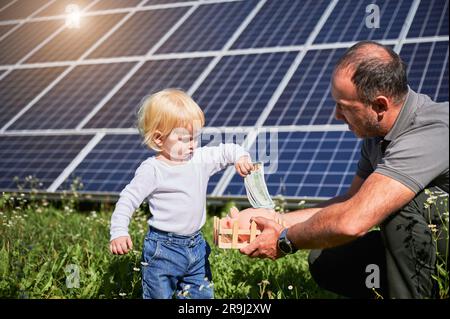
[(285, 244)]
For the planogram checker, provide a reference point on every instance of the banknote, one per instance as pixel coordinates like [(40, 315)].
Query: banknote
[(255, 185)]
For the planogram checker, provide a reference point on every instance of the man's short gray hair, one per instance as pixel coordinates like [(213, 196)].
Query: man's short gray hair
[(377, 70)]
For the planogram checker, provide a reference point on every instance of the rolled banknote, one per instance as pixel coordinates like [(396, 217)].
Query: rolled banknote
[(255, 185)]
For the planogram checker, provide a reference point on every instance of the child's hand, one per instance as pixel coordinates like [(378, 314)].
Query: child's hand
[(244, 166), (121, 245)]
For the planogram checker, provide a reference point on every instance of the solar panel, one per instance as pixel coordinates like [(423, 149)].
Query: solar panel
[(431, 19), (21, 9), (42, 157), (306, 99), (5, 3), (348, 21), (121, 109), (71, 43), (59, 7), (114, 4), (149, 25), (110, 165), (20, 87), (249, 64), (308, 164), (65, 105), (20, 42), (282, 23), (428, 68), (209, 27), (152, 2), (237, 90), (5, 28)]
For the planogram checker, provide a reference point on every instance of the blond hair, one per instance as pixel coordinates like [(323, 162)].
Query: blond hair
[(166, 110)]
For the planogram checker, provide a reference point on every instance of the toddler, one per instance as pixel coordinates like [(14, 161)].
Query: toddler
[(174, 181)]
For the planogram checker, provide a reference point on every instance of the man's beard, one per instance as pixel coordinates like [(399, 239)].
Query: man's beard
[(371, 128)]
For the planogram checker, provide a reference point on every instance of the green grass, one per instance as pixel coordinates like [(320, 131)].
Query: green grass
[(40, 244)]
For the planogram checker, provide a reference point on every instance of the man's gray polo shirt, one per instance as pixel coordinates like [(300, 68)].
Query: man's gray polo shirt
[(415, 151)]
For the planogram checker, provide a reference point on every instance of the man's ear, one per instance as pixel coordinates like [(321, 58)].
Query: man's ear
[(158, 139), (381, 105)]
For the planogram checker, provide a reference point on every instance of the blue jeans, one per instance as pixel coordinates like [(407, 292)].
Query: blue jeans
[(176, 264)]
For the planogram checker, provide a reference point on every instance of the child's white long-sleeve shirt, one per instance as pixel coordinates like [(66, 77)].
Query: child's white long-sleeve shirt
[(176, 194)]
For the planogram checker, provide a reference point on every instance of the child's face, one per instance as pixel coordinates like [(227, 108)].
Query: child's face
[(180, 144)]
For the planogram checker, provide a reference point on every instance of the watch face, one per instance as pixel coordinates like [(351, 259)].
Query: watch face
[(285, 247)]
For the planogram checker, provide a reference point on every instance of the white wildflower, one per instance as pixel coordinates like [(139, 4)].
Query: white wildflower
[(433, 228)]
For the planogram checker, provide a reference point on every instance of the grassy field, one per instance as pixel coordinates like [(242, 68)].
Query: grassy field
[(54, 251)]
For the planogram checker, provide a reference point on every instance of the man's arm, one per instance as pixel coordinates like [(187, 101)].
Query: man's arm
[(378, 197), (338, 223), (302, 215)]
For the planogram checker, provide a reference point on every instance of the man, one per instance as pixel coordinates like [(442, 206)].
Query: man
[(404, 153)]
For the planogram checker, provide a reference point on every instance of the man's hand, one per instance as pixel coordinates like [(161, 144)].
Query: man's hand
[(266, 244), (121, 245), (244, 166)]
